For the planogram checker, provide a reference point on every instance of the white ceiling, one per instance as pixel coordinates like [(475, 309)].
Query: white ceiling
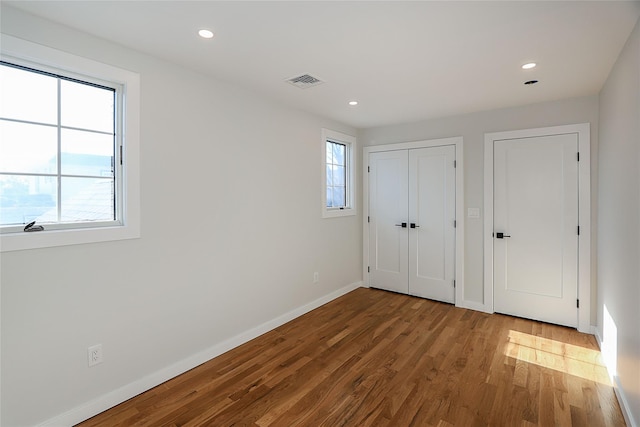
[(403, 61)]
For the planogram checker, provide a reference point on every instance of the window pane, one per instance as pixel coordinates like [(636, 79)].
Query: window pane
[(329, 175), (87, 199), (26, 198), (338, 197), (329, 152), (86, 107), (28, 96), (87, 153), (339, 175), (338, 154), (329, 196), (28, 148)]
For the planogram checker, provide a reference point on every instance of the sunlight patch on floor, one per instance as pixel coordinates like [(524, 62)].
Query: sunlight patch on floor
[(559, 356)]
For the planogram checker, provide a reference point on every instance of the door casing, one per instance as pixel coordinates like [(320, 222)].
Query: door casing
[(459, 171), (584, 215)]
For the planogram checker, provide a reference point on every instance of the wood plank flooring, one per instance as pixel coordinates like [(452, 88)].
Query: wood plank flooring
[(374, 358)]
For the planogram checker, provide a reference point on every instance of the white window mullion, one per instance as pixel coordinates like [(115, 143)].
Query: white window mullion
[(59, 165)]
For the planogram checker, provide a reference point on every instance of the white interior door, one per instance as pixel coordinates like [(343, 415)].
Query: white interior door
[(388, 205), (432, 209), (535, 228)]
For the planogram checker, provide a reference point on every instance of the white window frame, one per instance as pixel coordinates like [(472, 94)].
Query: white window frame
[(350, 142), (22, 52), (58, 74)]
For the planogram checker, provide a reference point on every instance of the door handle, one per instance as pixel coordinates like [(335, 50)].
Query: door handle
[(501, 235), (413, 225), (403, 225)]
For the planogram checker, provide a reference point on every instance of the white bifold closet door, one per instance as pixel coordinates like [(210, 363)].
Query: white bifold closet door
[(412, 221)]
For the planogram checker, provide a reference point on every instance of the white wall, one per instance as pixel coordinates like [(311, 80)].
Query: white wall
[(619, 220), (472, 128), (231, 236)]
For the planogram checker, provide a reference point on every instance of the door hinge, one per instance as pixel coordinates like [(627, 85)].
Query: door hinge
[(578, 230), (578, 156), (577, 303), (368, 168), (368, 219), (121, 155), (455, 164), (368, 269), (455, 223), (454, 283)]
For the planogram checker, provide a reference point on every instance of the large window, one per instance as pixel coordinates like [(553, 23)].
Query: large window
[(58, 146), (68, 148), (338, 176)]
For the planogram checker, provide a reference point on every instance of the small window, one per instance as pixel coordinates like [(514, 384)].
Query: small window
[(65, 162), (338, 180), (336, 175), (58, 145)]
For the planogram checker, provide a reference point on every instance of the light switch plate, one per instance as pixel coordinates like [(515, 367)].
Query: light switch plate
[(473, 213)]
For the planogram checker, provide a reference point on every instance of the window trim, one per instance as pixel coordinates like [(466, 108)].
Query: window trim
[(31, 54), (350, 142)]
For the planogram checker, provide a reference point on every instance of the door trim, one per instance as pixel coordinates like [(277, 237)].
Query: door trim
[(584, 212), (459, 240)]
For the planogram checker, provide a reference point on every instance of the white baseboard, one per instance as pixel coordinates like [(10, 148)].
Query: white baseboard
[(617, 387), (624, 403), (128, 391)]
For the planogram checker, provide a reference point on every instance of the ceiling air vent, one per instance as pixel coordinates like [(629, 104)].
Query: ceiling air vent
[(304, 81)]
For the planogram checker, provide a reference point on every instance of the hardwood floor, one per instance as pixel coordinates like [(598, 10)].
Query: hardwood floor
[(373, 358)]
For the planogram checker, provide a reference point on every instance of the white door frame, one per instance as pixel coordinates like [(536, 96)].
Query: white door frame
[(584, 214), (459, 255)]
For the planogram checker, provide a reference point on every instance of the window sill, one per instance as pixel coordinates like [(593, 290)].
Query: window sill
[(45, 239), (335, 213)]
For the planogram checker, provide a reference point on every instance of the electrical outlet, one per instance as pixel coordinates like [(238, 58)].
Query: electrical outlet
[(95, 354), (316, 277)]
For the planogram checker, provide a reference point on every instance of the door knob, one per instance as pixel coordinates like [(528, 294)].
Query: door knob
[(413, 225), (501, 235), (403, 225)]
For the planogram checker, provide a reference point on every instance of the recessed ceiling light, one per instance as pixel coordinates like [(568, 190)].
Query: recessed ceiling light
[(531, 82), (529, 65), (353, 102), (205, 34)]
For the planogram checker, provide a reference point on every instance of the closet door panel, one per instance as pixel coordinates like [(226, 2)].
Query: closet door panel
[(431, 223), (388, 211)]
